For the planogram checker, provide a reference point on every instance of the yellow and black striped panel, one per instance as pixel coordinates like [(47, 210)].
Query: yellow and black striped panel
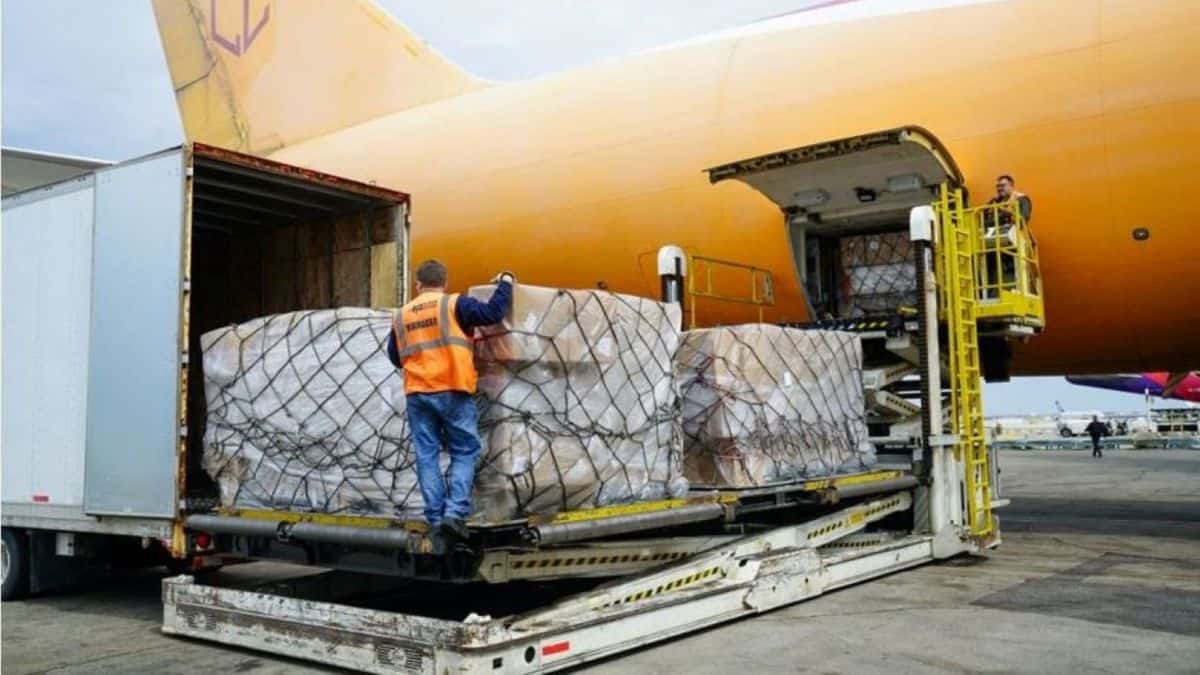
[(668, 586), (828, 529), (543, 561), (883, 506), (853, 519)]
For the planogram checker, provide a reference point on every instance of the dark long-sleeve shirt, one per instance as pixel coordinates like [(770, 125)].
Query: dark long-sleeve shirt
[(470, 314)]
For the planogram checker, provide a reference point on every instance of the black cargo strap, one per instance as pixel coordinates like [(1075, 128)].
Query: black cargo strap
[(444, 340)]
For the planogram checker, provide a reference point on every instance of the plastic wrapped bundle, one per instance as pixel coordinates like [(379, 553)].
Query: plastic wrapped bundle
[(305, 412), (879, 273), (577, 397), (764, 404), (580, 405)]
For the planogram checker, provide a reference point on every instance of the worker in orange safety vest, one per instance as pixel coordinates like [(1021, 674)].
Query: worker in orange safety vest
[(431, 342)]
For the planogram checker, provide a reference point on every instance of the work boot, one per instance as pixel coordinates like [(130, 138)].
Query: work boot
[(454, 529)]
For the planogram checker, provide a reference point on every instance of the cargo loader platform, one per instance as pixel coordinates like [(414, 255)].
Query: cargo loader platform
[(719, 554), (574, 543), (734, 578)]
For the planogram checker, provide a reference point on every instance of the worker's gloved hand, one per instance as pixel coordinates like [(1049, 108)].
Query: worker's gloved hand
[(505, 276)]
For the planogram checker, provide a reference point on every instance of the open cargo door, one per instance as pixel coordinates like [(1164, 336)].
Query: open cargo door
[(846, 204), (847, 179), (134, 353)]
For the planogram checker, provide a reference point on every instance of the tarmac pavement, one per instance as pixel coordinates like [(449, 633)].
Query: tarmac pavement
[(1099, 572)]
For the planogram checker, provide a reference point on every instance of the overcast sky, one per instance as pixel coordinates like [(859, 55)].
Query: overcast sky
[(87, 77)]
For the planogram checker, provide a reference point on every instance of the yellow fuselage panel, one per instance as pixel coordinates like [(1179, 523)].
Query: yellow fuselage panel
[(578, 178)]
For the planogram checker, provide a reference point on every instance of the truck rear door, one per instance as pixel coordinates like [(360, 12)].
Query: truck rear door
[(134, 354)]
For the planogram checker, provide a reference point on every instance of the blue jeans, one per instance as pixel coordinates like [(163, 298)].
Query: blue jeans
[(448, 416)]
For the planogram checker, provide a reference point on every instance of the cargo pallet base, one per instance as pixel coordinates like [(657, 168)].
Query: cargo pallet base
[(739, 578)]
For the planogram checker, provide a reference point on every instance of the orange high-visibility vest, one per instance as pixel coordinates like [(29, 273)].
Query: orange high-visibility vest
[(435, 352)]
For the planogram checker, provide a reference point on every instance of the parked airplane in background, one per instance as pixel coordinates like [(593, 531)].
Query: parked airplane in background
[(577, 178), (1183, 386)]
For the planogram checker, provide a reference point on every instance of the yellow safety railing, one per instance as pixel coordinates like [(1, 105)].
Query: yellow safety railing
[(701, 285), (1009, 278)]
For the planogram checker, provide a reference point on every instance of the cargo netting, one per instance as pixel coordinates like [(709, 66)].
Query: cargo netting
[(879, 274), (763, 404), (578, 407)]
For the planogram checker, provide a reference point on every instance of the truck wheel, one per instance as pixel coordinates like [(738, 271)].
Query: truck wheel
[(1065, 432), (14, 563)]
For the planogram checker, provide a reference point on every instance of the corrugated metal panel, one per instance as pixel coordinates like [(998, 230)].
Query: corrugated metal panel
[(47, 266), (133, 396)]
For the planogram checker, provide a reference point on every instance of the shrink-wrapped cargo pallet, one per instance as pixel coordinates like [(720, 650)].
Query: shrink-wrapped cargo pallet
[(578, 408), (306, 413), (764, 404), (879, 273), (580, 404)]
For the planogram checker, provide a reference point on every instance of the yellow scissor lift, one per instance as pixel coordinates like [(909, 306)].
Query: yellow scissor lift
[(989, 279)]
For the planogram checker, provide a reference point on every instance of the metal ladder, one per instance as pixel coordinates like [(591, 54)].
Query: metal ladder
[(957, 252)]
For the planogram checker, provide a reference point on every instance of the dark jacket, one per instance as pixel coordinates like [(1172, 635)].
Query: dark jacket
[(470, 314), (1097, 429)]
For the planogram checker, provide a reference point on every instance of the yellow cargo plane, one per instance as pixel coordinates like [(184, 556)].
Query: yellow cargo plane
[(576, 179)]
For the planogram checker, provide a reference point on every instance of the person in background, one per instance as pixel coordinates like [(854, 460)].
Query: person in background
[(430, 341), (1096, 429)]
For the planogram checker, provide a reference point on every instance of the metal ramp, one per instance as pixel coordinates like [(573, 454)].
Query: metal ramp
[(737, 579)]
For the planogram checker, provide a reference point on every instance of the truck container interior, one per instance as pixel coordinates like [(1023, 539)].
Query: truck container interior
[(267, 238)]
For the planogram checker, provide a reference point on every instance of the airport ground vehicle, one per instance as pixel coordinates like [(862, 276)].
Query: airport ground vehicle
[(680, 564)]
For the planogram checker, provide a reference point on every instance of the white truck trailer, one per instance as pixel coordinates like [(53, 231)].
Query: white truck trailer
[(108, 281), (673, 566)]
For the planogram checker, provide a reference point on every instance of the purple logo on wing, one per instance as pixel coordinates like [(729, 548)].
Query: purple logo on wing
[(240, 42)]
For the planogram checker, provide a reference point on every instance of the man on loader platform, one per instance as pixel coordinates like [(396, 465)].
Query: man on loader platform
[(433, 347), (1006, 191)]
